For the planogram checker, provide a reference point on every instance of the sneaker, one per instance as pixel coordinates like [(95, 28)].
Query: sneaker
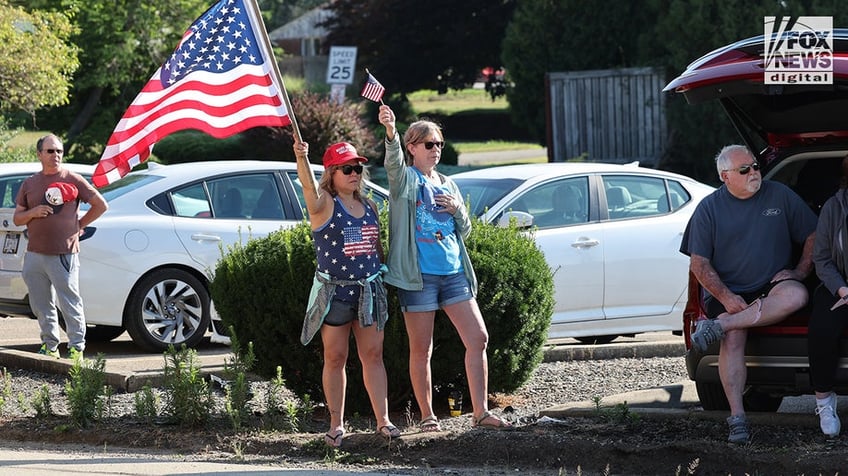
[(707, 331), (828, 419), (50, 353), (75, 354), (739, 430)]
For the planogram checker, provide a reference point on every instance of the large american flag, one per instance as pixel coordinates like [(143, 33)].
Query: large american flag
[(219, 80)]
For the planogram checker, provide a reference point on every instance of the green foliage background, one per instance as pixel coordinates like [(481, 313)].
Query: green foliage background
[(261, 289)]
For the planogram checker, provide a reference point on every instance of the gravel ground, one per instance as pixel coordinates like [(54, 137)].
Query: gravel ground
[(552, 383)]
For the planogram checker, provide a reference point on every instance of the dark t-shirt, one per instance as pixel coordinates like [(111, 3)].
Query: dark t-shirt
[(748, 241), (58, 233)]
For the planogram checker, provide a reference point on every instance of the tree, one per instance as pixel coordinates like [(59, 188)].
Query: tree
[(38, 60), (411, 45), (122, 43), (568, 35)]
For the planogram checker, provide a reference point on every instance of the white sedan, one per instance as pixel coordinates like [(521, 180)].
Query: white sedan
[(146, 264), (610, 233)]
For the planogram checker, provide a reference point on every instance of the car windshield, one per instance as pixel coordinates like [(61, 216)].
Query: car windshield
[(125, 185), (481, 194)]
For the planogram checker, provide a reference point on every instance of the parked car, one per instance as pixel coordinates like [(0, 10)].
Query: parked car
[(13, 290), (797, 136), (610, 234), (145, 264)]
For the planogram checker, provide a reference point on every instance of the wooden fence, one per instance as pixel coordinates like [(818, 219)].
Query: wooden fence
[(615, 115)]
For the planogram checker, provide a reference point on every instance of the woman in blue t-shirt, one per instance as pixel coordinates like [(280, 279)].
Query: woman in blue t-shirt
[(429, 264)]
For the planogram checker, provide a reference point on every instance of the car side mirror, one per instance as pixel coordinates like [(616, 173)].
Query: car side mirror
[(522, 219)]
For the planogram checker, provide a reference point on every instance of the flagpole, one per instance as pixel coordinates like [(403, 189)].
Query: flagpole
[(267, 42)]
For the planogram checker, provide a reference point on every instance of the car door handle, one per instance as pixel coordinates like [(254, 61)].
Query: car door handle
[(585, 243), (203, 237)]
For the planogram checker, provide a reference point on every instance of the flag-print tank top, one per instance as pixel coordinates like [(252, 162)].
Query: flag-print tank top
[(346, 248)]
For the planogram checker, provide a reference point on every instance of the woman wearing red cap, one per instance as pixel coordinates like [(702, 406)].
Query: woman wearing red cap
[(429, 264), (347, 293)]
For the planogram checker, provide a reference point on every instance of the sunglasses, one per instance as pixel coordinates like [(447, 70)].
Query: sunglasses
[(429, 145), (54, 151), (745, 168), (347, 169)]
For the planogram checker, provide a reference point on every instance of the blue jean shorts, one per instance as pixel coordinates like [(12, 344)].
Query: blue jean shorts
[(439, 291)]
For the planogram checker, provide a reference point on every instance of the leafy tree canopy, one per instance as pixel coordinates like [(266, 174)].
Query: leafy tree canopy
[(410, 45), (38, 60)]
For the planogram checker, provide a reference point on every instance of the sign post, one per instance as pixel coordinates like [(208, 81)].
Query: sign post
[(340, 70)]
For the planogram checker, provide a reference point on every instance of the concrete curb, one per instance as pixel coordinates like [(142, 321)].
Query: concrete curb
[(614, 350), (121, 379)]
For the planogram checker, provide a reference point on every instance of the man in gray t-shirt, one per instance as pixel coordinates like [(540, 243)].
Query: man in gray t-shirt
[(740, 242)]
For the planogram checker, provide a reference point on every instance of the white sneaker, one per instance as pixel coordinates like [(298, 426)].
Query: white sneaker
[(828, 419)]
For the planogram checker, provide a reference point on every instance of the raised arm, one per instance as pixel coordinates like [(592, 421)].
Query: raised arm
[(318, 204)]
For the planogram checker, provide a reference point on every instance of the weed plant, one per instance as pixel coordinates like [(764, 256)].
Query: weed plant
[(146, 404), (238, 388), (84, 388), (189, 399), (5, 390), (618, 414), (41, 402)]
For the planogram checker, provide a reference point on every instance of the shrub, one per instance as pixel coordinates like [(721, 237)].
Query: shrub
[(321, 122), (261, 289)]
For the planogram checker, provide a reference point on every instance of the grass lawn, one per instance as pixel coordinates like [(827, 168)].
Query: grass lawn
[(425, 101), (27, 139), (429, 101)]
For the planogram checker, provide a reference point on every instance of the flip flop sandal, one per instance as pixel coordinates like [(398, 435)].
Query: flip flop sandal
[(334, 441), (430, 425), (389, 432), (490, 420)]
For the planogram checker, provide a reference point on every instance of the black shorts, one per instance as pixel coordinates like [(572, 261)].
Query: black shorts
[(713, 307)]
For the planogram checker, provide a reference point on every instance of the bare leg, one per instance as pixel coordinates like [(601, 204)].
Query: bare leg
[(334, 378), (369, 345), (784, 299), (468, 321), (732, 370), (419, 328)]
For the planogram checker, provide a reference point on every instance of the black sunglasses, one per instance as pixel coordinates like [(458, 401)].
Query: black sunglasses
[(429, 145), (54, 151), (745, 168), (347, 169)]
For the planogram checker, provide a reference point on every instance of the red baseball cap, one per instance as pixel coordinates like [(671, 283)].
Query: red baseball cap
[(340, 153), (58, 193)]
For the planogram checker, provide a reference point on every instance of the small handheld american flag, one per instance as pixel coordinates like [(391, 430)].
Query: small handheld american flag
[(373, 90)]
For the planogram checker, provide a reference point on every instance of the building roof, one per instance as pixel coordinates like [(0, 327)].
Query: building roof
[(305, 26)]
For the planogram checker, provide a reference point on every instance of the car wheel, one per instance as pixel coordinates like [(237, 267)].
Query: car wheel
[(96, 333), (759, 401), (167, 307), (712, 396), (596, 339)]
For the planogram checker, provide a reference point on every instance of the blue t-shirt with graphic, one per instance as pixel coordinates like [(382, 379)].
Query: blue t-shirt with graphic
[(435, 232)]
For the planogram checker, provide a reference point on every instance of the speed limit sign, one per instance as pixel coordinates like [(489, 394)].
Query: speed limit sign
[(341, 65)]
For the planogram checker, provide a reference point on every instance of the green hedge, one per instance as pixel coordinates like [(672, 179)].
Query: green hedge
[(261, 289)]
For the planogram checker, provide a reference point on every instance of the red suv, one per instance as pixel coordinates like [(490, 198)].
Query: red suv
[(799, 135)]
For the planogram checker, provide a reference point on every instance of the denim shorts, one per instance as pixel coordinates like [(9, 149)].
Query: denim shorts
[(341, 313), (439, 291)]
